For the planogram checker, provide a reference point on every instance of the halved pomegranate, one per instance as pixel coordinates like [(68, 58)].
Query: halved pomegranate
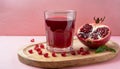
[(95, 34)]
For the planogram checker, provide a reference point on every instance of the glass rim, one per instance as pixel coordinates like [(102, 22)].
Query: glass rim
[(59, 11)]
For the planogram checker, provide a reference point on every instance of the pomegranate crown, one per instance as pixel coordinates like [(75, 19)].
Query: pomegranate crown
[(99, 20)]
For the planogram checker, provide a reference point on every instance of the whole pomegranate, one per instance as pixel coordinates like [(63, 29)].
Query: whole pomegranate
[(95, 34)]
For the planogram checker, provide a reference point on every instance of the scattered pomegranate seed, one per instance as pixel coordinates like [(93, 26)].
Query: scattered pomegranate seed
[(54, 54), (42, 46), (38, 49), (36, 45), (40, 52), (32, 40), (30, 51), (87, 52), (78, 52), (63, 54), (73, 52), (81, 49), (46, 55), (83, 53)]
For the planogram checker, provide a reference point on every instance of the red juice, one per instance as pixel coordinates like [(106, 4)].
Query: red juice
[(59, 32)]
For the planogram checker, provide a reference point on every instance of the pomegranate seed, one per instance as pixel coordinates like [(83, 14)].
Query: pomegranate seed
[(87, 52), (63, 54), (78, 52), (103, 31), (40, 52), (36, 45), (42, 46), (54, 54), (73, 52), (81, 49), (83, 53), (35, 48), (46, 55), (94, 35), (86, 28), (30, 51), (32, 40), (38, 49)]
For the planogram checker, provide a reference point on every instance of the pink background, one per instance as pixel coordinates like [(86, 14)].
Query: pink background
[(25, 17)]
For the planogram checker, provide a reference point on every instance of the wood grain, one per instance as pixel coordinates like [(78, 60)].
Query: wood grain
[(71, 60)]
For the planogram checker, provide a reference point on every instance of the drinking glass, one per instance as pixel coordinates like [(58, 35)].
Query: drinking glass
[(60, 25)]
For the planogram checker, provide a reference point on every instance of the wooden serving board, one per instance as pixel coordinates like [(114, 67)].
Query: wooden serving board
[(68, 61)]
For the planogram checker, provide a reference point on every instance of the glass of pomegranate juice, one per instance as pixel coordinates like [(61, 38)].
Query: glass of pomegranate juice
[(60, 30)]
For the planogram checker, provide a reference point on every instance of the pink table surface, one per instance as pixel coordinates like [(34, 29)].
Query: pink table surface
[(9, 46)]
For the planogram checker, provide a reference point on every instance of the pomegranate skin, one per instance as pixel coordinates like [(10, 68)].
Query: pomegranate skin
[(95, 43)]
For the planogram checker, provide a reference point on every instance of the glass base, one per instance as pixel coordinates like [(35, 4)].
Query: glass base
[(52, 49)]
